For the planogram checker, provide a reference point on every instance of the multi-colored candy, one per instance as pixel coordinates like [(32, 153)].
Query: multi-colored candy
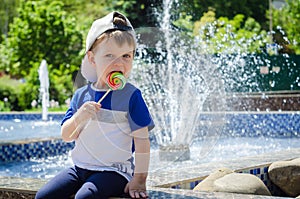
[(116, 81)]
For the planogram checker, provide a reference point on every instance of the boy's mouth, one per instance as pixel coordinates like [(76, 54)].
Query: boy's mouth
[(116, 71)]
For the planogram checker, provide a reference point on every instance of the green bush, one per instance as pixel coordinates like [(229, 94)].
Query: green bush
[(3, 106), (29, 91), (18, 96), (42, 30), (61, 84), (9, 94)]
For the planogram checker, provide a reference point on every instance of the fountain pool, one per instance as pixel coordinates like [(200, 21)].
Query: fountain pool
[(21, 130), (223, 149), (27, 126), (243, 135)]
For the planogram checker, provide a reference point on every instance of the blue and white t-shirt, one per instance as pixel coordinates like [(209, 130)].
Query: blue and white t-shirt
[(105, 143)]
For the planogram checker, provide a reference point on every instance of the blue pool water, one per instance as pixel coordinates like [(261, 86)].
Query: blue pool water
[(17, 129), (239, 124), (242, 135), (207, 150), (28, 126)]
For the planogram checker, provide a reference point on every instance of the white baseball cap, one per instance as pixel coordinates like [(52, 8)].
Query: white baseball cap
[(98, 27)]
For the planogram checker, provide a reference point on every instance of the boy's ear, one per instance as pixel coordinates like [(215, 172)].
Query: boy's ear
[(91, 57)]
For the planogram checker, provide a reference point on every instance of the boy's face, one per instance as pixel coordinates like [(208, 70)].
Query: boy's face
[(108, 56)]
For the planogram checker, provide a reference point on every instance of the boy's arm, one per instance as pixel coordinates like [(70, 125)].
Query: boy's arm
[(72, 127), (137, 186)]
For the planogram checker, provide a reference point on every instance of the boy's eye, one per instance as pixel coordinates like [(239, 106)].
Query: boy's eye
[(109, 55), (127, 56)]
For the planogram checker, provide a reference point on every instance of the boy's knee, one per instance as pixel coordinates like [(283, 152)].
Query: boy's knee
[(42, 195), (38, 195), (88, 190)]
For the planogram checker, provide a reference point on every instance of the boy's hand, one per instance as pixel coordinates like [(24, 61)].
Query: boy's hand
[(136, 188), (72, 127), (87, 111)]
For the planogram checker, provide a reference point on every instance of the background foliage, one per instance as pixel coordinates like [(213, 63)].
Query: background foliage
[(223, 34), (33, 30), (224, 8), (42, 30), (288, 31), (8, 10)]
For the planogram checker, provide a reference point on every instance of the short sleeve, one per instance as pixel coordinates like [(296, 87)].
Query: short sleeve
[(67, 116), (139, 115), (73, 105)]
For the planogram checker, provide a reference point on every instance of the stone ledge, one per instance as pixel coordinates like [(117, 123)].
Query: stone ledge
[(154, 192), (16, 194)]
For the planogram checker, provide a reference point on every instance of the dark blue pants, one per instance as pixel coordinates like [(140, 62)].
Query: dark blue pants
[(83, 184)]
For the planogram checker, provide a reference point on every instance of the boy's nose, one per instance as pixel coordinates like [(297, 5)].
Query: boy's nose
[(118, 61)]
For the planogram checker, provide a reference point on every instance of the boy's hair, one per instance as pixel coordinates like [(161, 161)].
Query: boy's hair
[(114, 25)]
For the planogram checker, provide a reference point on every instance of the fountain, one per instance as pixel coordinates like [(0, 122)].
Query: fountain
[(177, 87), (189, 89), (44, 88)]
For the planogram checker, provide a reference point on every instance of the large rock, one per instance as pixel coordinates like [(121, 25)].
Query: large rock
[(286, 175), (207, 183), (241, 183)]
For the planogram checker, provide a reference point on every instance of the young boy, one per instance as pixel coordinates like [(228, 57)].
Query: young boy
[(104, 133)]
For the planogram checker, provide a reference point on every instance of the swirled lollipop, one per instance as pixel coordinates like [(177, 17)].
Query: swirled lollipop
[(115, 81)]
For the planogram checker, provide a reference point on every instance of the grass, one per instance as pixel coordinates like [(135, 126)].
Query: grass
[(9, 89), (6, 80), (62, 108)]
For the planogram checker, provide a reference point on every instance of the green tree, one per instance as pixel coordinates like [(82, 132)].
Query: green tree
[(8, 10), (288, 19), (86, 11), (223, 35), (142, 13), (42, 30), (254, 8)]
